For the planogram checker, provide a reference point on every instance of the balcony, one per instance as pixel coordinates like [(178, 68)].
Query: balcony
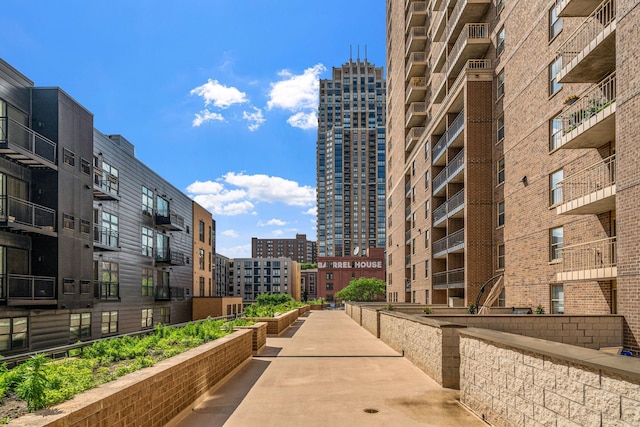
[(416, 40), (452, 243), (105, 185), (105, 238), (588, 261), (452, 279), (413, 137), (416, 14), (472, 43), (452, 208), (416, 114), (27, 290), (464, 11), (26, 217), (590, 121), (451, 173), (591, 190), (416, 90), (167, 293), (169, 220), (407, 237), (572, 8), (448, 139), (445, 89), (25, 146), (169, 257), (106, 291), (438, 25), (590, 52), (416, 65)]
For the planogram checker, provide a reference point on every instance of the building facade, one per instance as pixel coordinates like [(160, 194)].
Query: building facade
[(92, 242), (511, 152), (203, 252), (223, 275), (299, 249), (309, 284), (335, 273), (255, 276), (350, 160)]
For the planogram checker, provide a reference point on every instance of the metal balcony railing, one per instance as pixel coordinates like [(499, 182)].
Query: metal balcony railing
[(105, 236), (470, 31), (109, 184), (594, 100), (415, 108), (15, 210), (589, 180), (447, 279), (169, 256), (449, 207), (106, 291), (169, 220), (27, 287), (416, 33), (447, 243), (416, 83), (413, 136), (593, 255), (452, 169), (15, 134), (603, 16), (450, 134)]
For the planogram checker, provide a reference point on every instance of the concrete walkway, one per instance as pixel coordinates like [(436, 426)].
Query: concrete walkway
[(328, 371)]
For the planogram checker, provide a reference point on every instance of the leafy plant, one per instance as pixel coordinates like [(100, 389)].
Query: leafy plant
[(363, 289), (34, 383), (390, 307), (427, 310), (540, 309), (471, 308)]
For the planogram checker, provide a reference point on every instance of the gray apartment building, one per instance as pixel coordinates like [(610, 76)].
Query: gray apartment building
[(350, 160), (512, 151), (299, 249), (255, 276), (92, 242), (222, 276)]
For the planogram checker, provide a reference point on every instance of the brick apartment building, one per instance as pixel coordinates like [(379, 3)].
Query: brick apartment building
[(512, 149), (299, 249), (309, 284), (335, 273)]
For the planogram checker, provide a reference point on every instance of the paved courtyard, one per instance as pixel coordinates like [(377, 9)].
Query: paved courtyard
[(328, 371)]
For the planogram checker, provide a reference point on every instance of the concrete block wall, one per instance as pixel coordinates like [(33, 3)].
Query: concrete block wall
[(152, 396), (369, 320), (511, 380), (258, 336), (277, 325)]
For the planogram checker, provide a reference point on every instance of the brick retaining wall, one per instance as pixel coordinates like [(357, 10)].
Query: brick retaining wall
[(277, 325)]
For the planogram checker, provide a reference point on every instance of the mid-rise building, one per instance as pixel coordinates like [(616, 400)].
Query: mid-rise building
[(309, 284), (299, 249), (203, 252), (256, 276), (512, 152), (350, 160), (223, 275), (335, 273)]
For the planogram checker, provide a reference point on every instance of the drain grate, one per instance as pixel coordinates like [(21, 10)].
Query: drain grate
[(371, 411)]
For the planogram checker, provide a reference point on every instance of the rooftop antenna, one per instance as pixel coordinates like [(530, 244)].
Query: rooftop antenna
[(358, 53), (365, 53), (350, 53)]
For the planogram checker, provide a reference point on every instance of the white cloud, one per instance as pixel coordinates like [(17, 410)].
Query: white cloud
[(273, 221), (277, 233), (219, 95), (273, 189), (304, 120), (311, 211), (242, 251), (206, 116), (255, 118), (296, 92), (231, 233)]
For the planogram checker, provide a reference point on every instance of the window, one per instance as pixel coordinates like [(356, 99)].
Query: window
[(13, 333), (500, 42), (557, 299), (147, 241), (85, 166), (109, 285), (329, 275), (500, 84), (329, 286), (554, 69), (556, 239), (500, 126), (109, 324), (201, 230), (147, 318), (555, 22), (555, 188), (162, 206), (500, 211), (201, 259), (555, 133), (147, 201), (80, 326), (165, 315), (85, 226), (201, 286), (500, 171), (426, 269), (68, 157), (147, 282), (68, 221), (500, 257)]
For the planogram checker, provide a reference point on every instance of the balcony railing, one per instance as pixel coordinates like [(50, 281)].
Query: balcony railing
[(169, 220), (416, 64), (453, 241), (416, 10), (105, 236), (169, 256), (166, 293), (106, 291), (479, 7), (594, 28), (589, 180), (17, 211), (449, 279), (25, 287), (588, 261), (449, 208), (415, 109), (470, 32), (105, 187), (20, 140), (452, 169), (449, 136), (416, 85), (416, 35), (593, 101), (413, 137)]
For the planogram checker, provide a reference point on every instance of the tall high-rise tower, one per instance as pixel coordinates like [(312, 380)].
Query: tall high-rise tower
[(350, 161)]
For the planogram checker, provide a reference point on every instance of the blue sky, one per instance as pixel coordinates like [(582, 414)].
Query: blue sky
[(218, 96)]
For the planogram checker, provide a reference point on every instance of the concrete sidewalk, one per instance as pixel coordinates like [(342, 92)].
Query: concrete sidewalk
[(328, 371)]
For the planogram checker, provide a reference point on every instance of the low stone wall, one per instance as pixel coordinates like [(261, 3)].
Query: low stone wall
[(316, 306), (277, 325), (590, 331), (369, 319), (258, 336), (152, 396), (512, 380), (302, 310)]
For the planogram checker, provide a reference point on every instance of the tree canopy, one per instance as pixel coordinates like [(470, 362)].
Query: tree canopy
[(363, 289)]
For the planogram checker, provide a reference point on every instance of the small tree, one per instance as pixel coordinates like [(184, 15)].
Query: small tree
[(363, 289)]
